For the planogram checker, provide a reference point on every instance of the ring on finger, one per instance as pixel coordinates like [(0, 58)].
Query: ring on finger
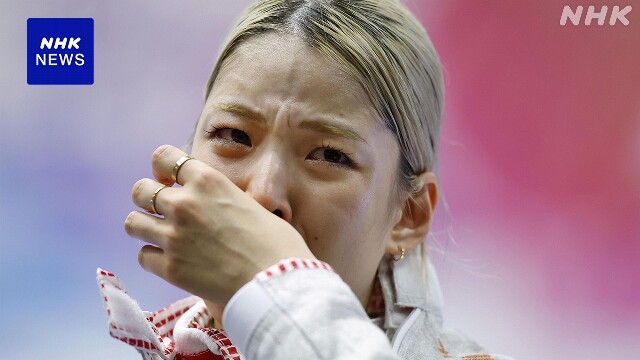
[(177, 166), (153, 200)]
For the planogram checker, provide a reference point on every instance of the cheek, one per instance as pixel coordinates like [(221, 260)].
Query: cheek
[(343, 203), (339, 221)]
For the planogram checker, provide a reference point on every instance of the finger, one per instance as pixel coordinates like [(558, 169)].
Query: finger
[(147, 194), (162, 157), (164, 161), (151, 259), (145, 227)]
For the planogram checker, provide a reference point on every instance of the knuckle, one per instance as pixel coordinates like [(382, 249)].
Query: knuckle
[(183, 205), (172, 270), (207, 179), (172, 240)]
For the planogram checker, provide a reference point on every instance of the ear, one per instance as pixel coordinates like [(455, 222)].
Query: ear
[(417, 214)]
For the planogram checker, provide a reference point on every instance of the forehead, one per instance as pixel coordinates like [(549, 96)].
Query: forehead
[(281, 67)]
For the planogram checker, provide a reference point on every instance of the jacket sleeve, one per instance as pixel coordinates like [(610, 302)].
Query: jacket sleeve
[(300, 308)]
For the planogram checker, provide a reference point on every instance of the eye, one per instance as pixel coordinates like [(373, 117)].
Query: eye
[(227, 134), (332, 155)]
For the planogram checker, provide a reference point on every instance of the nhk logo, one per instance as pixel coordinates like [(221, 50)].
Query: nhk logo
[(59, 51), (61, 59), (618, 14)]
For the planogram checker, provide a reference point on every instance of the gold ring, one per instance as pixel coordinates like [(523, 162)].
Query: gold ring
[(177, 166), (153, 200)]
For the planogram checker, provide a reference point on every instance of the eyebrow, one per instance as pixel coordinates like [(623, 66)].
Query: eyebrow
[(331, 129), (240, 110), (320, 125)]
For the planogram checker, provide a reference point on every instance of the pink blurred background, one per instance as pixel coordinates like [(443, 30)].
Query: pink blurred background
[(537, 250)]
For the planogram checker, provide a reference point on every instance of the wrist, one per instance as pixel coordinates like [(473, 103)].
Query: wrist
[(251, 304), (264, 263)]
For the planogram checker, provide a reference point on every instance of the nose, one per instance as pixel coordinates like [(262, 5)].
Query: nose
[(267, 182)]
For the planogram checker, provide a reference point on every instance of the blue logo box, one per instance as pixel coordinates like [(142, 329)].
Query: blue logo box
[(60, 51)]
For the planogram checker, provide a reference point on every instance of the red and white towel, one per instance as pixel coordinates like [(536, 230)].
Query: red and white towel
[(177, 332)]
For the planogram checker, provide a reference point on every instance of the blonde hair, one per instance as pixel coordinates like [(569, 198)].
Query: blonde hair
[(381, 45)]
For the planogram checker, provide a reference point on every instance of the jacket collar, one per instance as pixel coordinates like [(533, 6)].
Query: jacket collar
[(408, 284)]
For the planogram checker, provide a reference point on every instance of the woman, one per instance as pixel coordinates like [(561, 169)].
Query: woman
[(309, 191)]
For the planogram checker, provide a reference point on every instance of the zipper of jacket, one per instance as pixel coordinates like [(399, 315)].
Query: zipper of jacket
[(403, 329)]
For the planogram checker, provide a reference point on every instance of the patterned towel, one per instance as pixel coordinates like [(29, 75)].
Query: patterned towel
[(177, 332)]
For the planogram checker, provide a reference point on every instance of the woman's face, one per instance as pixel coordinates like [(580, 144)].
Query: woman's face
[(303, 139)]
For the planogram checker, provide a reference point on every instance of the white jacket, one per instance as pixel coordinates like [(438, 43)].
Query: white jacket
[(299, 309)]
